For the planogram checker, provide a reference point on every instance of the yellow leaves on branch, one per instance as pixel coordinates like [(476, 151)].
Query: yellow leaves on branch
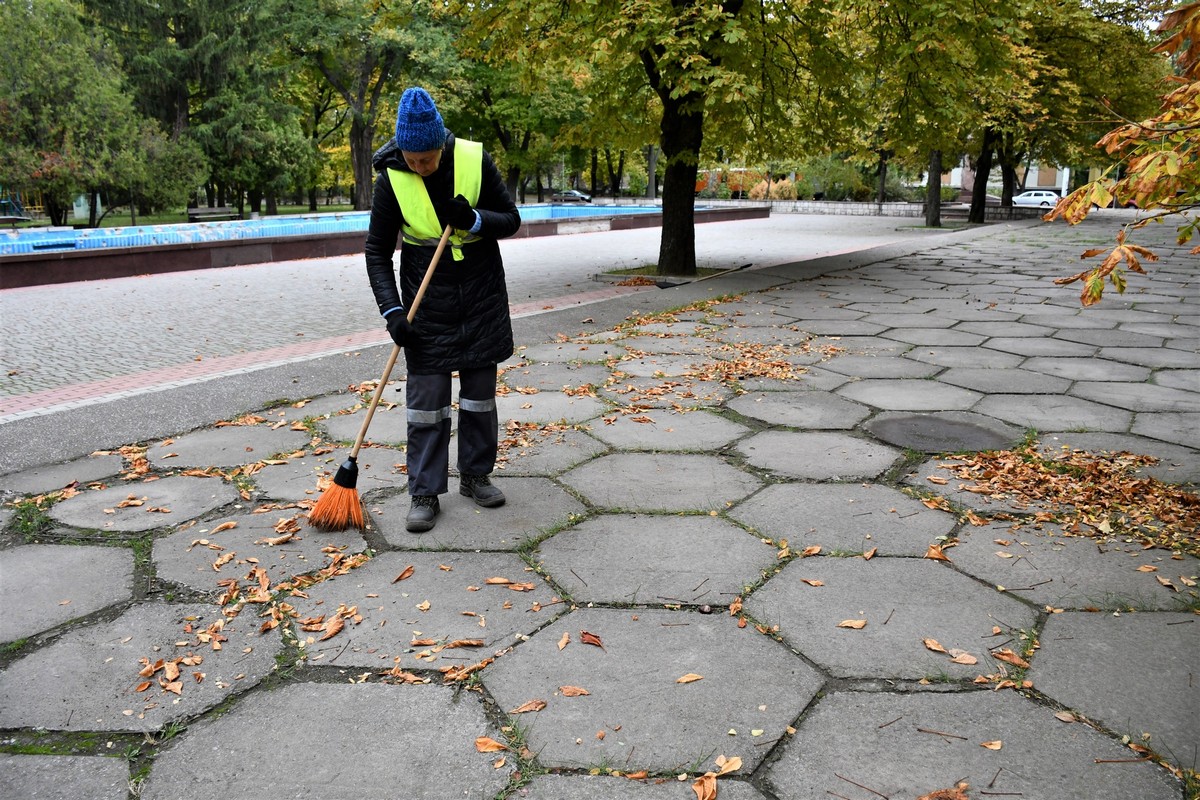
[(1161, 162), (1093, 279)]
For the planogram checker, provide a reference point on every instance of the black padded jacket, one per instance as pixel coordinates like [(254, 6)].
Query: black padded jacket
[(463, 320)]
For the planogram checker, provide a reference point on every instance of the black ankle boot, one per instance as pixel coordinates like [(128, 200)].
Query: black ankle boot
[(423, 513), (480, 489)]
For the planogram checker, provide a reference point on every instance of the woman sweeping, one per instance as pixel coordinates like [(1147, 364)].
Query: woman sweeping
[(427, 180)]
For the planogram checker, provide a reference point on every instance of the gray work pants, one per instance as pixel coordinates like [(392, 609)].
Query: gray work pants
[(428, 401)]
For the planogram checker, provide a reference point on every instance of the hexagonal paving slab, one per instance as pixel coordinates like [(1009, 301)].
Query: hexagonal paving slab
[(604, 787), (943, 431), (630, 558), (1175, 427), (891, 744), (87, 679), (547, 407), (817, 456), (156, 504), (46, 585), (904, 601), (368, 740), (1054, 412), (446, 599), (95, 777), (1138, 396), (544, 453), (659, 429), (964, 357), (660, 366), (300, 478), (1134, 673), (49, 478), (189, 557), (554, 376), (910, 395), (535, 506), (574, 352), (807, 410), (230, 446), (1010, 381), (1176, 464), (660, 482), (849, 517), (389, 424), (881, 367), (1050, 569), (684, 391), (633, 682)]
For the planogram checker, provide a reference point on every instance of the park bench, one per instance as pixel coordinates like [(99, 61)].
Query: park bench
[(212, 214)]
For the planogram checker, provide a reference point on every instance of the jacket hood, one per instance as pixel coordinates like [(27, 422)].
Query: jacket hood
[(390, 157)]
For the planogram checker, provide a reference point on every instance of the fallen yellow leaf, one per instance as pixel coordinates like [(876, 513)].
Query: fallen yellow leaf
[(530, 705), (485, 744), (573, 691), (935, 552), (996, 745), (705, 786), (728, 765), (565, 640), (934, 645), (689, 678), (1008, 656), (856, 624)]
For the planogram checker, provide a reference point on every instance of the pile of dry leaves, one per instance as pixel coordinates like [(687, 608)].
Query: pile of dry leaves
[(1099, 495)]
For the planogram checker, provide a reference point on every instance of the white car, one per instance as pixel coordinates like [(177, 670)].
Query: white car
[(1036, 197)]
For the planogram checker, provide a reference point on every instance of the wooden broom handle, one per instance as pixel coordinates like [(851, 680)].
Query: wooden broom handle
[(391, 362)]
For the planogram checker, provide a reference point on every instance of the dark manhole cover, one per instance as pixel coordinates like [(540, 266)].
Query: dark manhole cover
[(946, 432)]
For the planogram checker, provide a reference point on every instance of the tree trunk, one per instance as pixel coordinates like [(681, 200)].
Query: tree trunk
[(614, 176), (595, 189), (272, 204), (511, 180), (1008, 175), (362, 139), (651, 172), (312, 198), (933, 191), (92, 211), (56, 212), (682, 135), (983, 167), (881, 190)]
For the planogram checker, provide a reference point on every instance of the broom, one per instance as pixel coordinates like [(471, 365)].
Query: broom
[(338, 507)]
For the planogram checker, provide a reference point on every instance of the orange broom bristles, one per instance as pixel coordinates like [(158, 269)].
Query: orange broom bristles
[(337, 509)]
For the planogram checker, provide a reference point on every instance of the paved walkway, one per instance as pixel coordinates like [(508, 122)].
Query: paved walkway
[(729, 548)]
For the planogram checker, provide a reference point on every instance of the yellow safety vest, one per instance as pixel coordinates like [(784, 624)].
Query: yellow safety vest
[(421, 226)]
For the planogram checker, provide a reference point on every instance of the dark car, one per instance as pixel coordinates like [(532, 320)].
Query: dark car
[(570, 196)]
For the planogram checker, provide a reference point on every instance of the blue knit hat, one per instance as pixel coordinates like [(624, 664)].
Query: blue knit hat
[(419, 126)]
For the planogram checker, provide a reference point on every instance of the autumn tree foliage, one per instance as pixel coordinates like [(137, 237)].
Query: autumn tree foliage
[(1157, 167)]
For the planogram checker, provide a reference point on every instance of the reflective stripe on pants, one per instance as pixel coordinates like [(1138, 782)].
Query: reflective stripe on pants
[(428, 401)]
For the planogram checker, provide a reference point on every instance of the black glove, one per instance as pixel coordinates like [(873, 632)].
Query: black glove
[(399, 329), (456, 213)]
